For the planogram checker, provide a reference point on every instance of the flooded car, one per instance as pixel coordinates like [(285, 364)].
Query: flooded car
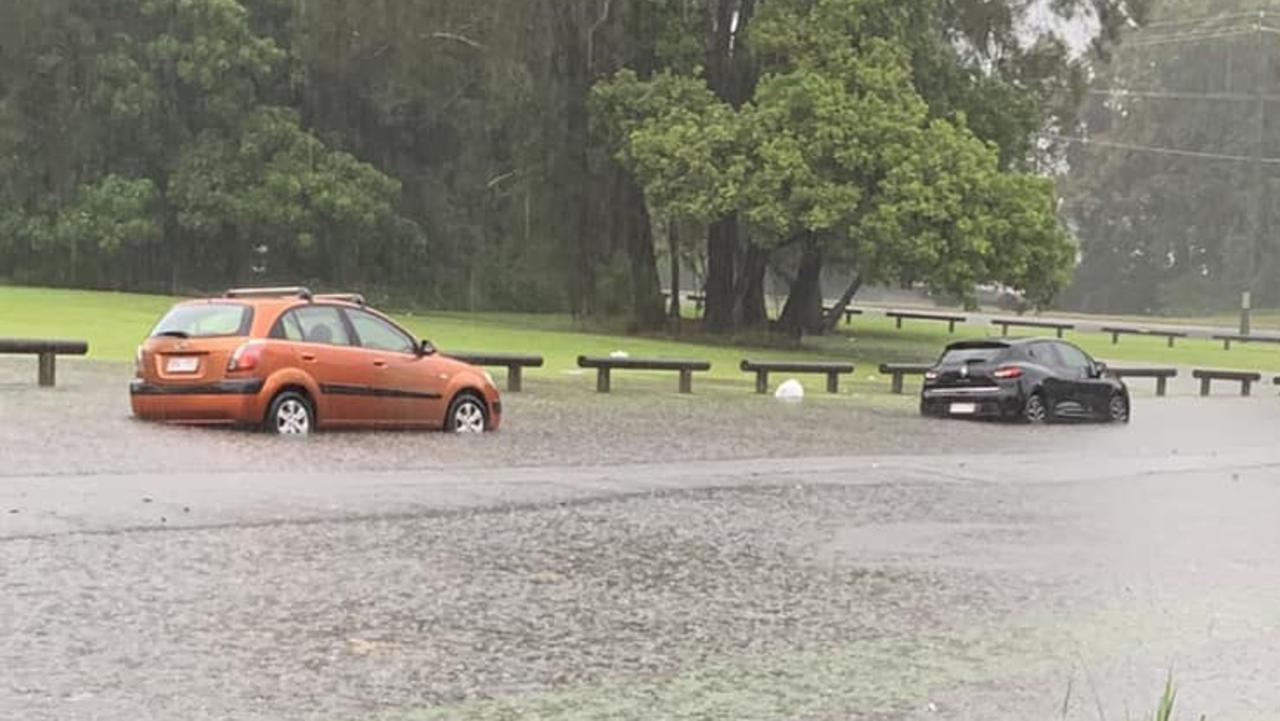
[(1033, 380), (290, 362)]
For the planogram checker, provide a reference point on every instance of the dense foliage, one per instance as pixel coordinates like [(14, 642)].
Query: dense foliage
[(1174, 193), (537, 154)]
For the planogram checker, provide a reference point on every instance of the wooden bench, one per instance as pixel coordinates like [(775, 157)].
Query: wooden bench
[(1004, 323), (849, 313), (604, 366), (762, 369), (1162, 376), (1116, 332), (950, 320), (513, 362), (898, 370), (1227, 340), (46, 351), (1246, 379)]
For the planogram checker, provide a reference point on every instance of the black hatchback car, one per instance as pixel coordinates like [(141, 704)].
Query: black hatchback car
[(1034, 380)]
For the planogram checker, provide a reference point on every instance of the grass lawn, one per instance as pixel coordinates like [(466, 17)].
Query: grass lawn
[(114, 323)]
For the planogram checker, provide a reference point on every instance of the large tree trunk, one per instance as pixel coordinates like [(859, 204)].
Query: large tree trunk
[(803, 311), (635, 224), (732, 75), (722, 250), (673, 245), (832, 318), (749, 308)]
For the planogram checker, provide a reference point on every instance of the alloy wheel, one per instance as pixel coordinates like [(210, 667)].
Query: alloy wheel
[(468, 417), (1035, 410), (293, 418), (1119, 409)]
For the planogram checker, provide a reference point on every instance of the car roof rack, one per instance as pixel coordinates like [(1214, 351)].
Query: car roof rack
[(345, 297), (284, 292)]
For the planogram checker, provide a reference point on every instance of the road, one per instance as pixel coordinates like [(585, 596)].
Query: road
[(638, 557)]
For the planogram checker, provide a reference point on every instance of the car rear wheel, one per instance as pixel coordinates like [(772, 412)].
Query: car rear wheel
[(290, 414), (467, 414), (1035, 411), (1118, 409)]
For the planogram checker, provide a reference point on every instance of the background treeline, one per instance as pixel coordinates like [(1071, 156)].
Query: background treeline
[(1174, 195), (542, 154)]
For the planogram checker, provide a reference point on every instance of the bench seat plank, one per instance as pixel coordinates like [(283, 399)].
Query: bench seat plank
[(46, 352), (515, 363), (762, 369), (605, 365)]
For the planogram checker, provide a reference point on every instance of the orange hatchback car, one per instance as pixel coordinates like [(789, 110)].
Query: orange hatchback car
[(291, 362)]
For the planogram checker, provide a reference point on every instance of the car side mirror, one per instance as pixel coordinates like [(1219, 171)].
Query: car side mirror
[(426, 348), (1097, 370)]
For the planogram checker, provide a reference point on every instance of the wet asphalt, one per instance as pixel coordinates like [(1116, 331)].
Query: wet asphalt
[(638, 556)]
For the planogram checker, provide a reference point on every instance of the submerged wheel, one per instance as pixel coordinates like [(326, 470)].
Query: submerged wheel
[(1118, 409), (290, 414), (1035, 411), (467, 414)]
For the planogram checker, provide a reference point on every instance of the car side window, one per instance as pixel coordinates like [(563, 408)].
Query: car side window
[(320, 324), (1044, 354), (1073, 357), (378, 334), (288, 328)]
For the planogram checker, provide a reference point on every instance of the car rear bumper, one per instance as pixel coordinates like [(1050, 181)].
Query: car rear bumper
[(225, 402), (985, 402)]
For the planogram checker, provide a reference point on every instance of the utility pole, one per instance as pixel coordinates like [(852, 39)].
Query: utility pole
[(1260, 211)]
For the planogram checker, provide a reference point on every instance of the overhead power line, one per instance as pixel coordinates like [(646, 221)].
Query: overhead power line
[(1175, 152), (1175, 95), (1193, 37), (1203, 20)]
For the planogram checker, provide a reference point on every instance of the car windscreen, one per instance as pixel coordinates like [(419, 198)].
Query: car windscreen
[(962, 356), (205, 321)]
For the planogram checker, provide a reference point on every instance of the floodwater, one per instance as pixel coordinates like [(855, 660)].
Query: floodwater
[(638, 557)]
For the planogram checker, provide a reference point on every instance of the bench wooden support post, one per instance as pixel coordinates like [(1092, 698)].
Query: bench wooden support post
[(48, 370), (515, 378), (1060, 331), (1226, 344), (897, 383), (602, 380), (1162, 385), (686, 380), (833, 383), (1004, 329), (1115, 337), (951, 327), (1170, 341), (1246, 387), (898, 322), (1204, 386), (762, 381)]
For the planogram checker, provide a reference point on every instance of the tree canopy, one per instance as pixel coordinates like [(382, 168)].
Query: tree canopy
[(539, 154)]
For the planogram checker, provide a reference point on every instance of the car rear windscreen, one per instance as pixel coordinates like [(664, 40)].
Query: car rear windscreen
[(205, 321), (960, 356)]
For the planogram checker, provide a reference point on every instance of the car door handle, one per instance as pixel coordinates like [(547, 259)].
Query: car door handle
[(309, 357), (380, 363)]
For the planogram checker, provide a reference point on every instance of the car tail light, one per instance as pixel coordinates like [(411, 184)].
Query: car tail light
[(246, 356), (1008, 373), (137, 362), (931, 375)]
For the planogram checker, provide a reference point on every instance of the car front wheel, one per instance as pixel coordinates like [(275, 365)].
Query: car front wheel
[(1118, 409), (467, 414)]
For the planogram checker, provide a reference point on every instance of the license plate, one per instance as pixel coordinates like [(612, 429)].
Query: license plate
[(183, 364), (964, 409)]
